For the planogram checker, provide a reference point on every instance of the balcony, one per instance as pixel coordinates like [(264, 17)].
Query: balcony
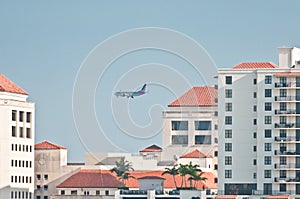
[(285, 125), (286, 139), (287, 166), (285, 112), (278, 152), (285, 84), (286, 180), (287, 98)]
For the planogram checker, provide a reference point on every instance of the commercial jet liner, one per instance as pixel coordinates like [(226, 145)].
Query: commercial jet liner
[(132, 94)]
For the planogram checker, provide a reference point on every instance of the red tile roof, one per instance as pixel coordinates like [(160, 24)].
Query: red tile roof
[(195, 154), (47, 145), (226, 196), (288, 74), (255, 65), (151, 177), (197, 96), (152, 148), (278, 196), (91, 179), (8, 86)]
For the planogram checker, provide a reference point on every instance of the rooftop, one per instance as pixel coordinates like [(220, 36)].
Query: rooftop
[(152, 148), (197, 96), (255, 65), (8, 86), (47, 145), (195, 154)]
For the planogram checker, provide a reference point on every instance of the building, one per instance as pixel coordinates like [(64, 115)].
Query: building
[(259, 127), (16, 141), (191, 123)]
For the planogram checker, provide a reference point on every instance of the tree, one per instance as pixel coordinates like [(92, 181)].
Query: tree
[(122, 169), (183, 171), (193, 171), (173, 172)]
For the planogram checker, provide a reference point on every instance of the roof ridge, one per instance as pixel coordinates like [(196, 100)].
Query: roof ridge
[(7, 85)]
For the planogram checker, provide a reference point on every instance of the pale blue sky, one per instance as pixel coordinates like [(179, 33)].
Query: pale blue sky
[(43, 43)]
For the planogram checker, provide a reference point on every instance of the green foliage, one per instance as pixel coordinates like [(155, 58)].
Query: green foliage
[(122, 169)]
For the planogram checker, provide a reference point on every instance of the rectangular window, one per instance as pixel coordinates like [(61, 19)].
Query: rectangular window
[(282, 106), (282, 93), (179, 125), (254, 135), (106, 192), (45, 187), (268, 79), (13, 131), (268, 119), (228, 133), (268, 106), (228, 93), (268, 147), (228, 146), (228, 120), (268, 93), (282, 80), (282, 119), (73, 192), (46, 177), (254, 94), (254, 175), (254, 148), (282, 187), (28, 117), (228, 107), (38, 177), (45, 197), (179, 139), (282, 133), (28, 133), (203, 125), (228, 79), (282, 173), (254, 161), (21, 116), (268, 160), (268, 133), (282, 160), (14, 115), (97, 192), (267, 174), (254, 81), (228, 160), (254, 108), (21, 133), (38, 187), (228, 173), (203, 139), (62, 192), (254, 121)]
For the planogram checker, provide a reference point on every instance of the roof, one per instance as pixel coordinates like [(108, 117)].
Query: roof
[(197, 96), (8, 86), (152, 148), (255, 65), (47, 145), (90, 179), (288, 74), (226, 196), (195, 154)]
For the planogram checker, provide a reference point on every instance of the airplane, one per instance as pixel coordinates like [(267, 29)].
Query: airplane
[(132, 94)]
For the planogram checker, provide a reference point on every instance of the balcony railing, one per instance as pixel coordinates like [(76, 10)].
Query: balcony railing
[(287, 166), (273, 192), (287, 179), (285, 85), (287, 98), (288, 111), (286, 139), (286, 125), (278, 152)]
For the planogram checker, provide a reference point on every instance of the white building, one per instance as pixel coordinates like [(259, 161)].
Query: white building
[(259, 127), (16, 141), (191, 123)]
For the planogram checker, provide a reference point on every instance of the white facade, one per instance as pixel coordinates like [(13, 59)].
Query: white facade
[(259, 134), (16, 146)]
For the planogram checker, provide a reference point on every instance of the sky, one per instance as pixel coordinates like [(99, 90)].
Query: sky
[(46, 46)]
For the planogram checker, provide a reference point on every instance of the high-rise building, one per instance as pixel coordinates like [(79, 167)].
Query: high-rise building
[(16, 142), (259, 120)]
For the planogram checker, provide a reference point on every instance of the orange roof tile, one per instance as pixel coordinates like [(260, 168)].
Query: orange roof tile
[(288, 74), (195, 154), (8, 86), (227, 196), (255, 65), (278, 196), (197, 96), (152, 148), (91, 179), (47, 145)]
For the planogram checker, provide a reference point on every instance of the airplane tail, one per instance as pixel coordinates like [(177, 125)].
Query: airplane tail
[(143, 88)]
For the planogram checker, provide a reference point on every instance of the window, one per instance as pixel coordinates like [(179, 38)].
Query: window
[(106, 192), (282, 187), (282, 119), (268, 79), (38, 187), (216, 127), (228, 174), (14, 115), (216, 153), (179, 125), (203, 139), (268, 93), (45, 187), (203, 125), (179, 139), (267, 174), (228, 79), (254, 161), (62, 192), (13, 131), (254, 135), (28, 133), (38, 177), (254, 81), (254, 121), (254, 108), (228, 120), (21, 116), (228, 107), (46, 177), (228, 133), (268, 106), (268, 119), (97, 192), (254, 94), (38, 197), (254, 175), (228, 146), (282, 160), (21, 132), (282, 80), (228, 160), (28, 117), (45, 197), (282, 174), (73, 192), (254, 148), (268, 160), (228, 93), (282, 133), (268, 133), (268, 147), (282, 93)]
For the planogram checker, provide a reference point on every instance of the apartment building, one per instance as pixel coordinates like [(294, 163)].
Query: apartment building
[(191, 124), (259, 127), (16, 141)]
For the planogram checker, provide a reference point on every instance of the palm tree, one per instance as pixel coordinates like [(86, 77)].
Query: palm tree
[(183, 171), (196, 178), (193, 172), (122, 169), (173, 172)]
